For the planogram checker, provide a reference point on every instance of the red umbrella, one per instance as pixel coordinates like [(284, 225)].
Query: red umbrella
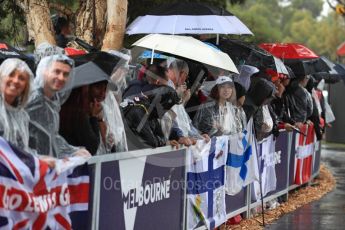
[(289, 50), (341, 49)]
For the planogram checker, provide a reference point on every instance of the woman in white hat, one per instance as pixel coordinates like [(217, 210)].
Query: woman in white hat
[(216, 117)]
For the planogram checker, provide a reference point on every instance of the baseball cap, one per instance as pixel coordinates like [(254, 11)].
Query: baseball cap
[(223, 79)]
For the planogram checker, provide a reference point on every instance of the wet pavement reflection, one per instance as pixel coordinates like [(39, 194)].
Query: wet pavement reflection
[(329, 211)]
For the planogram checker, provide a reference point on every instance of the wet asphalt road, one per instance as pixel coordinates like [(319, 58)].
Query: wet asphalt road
[(329, 211)]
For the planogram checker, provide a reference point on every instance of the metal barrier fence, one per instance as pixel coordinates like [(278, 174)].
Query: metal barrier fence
[(146, 189)]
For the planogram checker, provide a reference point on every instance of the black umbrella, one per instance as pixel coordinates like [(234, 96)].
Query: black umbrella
[(87, 74), (328, 77), (245, 53), (340, 68), (327, 70), (93, 67), (323, 64), (8, 51), (103, 60), (300, 67)]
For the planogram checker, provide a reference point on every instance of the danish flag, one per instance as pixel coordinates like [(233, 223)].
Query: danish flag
[(33, 196), (305, 149)]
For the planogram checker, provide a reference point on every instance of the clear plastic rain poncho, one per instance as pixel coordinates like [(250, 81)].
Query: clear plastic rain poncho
[(215, 119), (178, 71), (14, 121), (120, 72), (44, 111), (115, 134)]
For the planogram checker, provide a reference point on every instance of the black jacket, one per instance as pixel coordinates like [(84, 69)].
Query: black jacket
[(142, 114), (256, 96)]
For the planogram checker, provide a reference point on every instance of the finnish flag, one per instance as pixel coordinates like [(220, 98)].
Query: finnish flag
[(242, 165), (205, 183)]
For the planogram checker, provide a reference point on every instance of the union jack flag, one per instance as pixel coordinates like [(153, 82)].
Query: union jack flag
[(33, 196)]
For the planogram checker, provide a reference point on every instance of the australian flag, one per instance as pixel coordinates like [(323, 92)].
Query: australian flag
[(34, 196)]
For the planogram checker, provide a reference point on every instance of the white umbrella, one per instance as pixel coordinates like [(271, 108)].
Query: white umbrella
[(188, 18), (187, 47), (184, 24)]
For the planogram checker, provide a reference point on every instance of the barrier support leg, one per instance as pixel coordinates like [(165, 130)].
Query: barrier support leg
[(248, 201)]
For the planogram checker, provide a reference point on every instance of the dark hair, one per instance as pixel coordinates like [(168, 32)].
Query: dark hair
[(76, 106), (60, 23), (155, 72), (240, 90), (215, 93)]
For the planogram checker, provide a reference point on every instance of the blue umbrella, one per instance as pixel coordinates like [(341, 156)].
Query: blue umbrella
[(148, 54)]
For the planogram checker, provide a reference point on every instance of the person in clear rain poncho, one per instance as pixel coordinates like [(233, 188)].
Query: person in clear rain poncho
[(216, 117), (15, 85), (91, 116), (15, 81), (182, 128), (52, 75)]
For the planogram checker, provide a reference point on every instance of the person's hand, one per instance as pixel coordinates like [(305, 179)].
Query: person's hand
[(206, 137), (95, 108), (185, 141), (329, 125), (51, 161), (193, 140), (186, 96), (309, 122), (173, 144), (181, 89), (289, 127), (299, 125), (110, 139), (82, 153)]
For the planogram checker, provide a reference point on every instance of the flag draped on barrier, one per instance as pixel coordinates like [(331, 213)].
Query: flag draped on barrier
[(33, 196), (267, 161), (305, 149), (242, 165), (205, 183)]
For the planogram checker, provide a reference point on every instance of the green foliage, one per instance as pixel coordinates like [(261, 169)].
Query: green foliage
[(141, 7), (12, 23), (314, 6)]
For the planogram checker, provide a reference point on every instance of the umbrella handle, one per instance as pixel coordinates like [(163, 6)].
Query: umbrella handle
[(152, 55)]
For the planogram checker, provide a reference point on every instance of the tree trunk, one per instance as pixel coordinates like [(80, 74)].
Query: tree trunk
[(116, 24), (88, 29), (38, 21)]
